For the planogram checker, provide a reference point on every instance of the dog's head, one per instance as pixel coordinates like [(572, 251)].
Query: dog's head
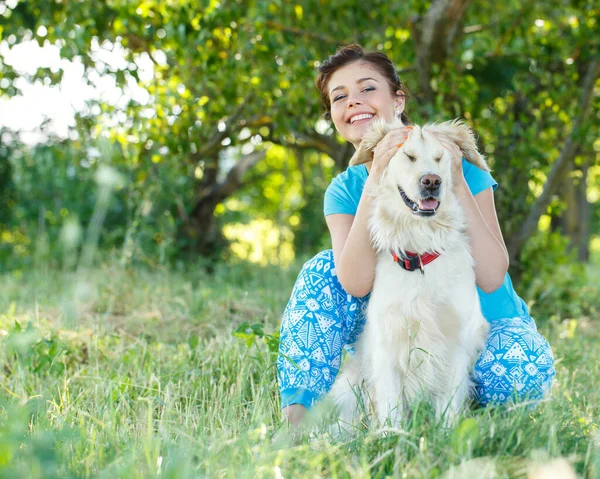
[(420, 174)]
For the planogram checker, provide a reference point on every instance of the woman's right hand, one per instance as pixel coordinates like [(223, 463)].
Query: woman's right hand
[(387, 148)]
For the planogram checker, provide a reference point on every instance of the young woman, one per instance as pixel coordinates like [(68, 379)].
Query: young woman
[(326, 311)]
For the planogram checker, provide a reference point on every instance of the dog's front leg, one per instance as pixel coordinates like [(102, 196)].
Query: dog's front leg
[(449, 406), (387, 391), (447, 410)]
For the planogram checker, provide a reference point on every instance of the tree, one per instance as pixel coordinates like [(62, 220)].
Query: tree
[(233, 79), (7, 187)]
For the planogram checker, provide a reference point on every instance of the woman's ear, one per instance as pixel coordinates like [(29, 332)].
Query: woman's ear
[(400, 100)]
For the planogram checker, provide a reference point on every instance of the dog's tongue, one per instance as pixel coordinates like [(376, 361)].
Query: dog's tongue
[(428, 204)]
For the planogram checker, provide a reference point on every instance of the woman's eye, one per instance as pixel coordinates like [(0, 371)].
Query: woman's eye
[(369, 88), (338, 97)]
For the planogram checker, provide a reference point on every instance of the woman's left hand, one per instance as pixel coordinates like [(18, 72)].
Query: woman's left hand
[(455, 158)]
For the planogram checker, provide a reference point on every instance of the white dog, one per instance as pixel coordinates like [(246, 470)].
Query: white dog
[(424, 324)]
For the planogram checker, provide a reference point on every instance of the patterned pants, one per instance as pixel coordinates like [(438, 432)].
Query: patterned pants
[(321, 319)]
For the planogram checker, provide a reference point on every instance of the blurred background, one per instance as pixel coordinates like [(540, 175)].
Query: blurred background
[(184, 134)]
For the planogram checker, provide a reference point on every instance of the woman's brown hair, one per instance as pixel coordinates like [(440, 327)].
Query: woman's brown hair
[(349, 54)]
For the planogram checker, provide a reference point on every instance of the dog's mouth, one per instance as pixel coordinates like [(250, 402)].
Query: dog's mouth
[(423, 207)]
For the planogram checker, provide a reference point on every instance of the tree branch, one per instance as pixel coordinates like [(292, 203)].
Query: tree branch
[(313, 139), (217, 192), (435, 35), (214, 143), (234, 177), (509, 33), (340, 153), (566, 156), (303, 33), (305, 141)]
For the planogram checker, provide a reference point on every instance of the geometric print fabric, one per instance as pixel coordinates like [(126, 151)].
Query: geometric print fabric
[(517, 363), (321, 319)]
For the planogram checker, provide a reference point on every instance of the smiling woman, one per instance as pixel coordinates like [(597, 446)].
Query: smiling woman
[(326, 311), (358, 88)]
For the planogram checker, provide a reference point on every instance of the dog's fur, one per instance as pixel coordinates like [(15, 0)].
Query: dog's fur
[(423, 331)]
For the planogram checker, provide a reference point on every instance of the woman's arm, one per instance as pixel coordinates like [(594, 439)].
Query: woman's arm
[(353, 252), (487, 243)]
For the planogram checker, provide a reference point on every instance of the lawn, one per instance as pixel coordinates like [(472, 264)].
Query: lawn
[(134, 373)]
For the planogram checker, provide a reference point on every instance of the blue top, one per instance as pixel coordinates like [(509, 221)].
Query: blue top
[(343, 195)]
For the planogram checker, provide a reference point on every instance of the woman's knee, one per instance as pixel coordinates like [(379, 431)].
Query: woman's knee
[(516, 365), (321, 284), (312, 331), (321, 262)]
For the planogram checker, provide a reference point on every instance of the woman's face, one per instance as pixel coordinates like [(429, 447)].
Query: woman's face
[(359, 95)]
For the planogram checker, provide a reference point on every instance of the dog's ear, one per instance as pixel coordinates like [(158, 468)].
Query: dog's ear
[(370, 140), (464, 138)]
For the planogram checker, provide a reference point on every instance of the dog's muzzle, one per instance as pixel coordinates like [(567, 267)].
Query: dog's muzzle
[(424, 207)]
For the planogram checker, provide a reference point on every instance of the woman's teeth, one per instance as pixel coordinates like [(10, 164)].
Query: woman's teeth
[(364, 116)]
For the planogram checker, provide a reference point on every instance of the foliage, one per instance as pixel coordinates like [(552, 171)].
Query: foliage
[(556, 285), (250, 334), (206, 85), (38, 355)]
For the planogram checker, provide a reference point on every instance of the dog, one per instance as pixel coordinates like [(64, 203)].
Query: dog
[(424, 325)]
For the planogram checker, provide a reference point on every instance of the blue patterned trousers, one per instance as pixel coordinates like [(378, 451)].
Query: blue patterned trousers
[(321, 319)]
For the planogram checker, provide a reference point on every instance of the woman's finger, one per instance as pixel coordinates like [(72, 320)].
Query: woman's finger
[(383, 156), (397, 136), (393, 141), (399, 131), (389, 144)]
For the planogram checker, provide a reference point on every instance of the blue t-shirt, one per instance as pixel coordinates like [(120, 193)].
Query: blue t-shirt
[(343, 195)]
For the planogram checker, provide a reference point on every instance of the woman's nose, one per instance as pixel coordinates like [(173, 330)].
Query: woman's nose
[(352, 101)]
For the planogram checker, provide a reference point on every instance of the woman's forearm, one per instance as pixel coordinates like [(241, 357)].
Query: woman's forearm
[(356, 265), (489, 253)]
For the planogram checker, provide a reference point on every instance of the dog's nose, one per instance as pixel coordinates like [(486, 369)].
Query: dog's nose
[(431, 182)]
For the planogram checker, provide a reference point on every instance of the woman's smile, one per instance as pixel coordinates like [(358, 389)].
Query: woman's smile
[(359, 118)]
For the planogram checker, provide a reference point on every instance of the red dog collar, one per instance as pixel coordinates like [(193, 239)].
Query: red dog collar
[(414, 261)]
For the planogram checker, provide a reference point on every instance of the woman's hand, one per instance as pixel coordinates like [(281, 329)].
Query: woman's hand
[(387, 148), (455, 158)]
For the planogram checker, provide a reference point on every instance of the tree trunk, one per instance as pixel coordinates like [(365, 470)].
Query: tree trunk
[(7, 190), (202, 230), (581, 240), (567, 155), (436, 34), (574, 221), (201, 227)]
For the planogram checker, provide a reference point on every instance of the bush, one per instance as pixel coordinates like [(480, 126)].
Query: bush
[(553, 282)]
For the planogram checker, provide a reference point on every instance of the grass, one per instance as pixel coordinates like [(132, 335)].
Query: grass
[(133, 373)]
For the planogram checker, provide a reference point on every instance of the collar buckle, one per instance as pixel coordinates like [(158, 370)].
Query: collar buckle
[(414, 261), (409, 263)]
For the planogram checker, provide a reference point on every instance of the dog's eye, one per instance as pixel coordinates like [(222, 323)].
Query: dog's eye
[(411, 158), (437, 160)]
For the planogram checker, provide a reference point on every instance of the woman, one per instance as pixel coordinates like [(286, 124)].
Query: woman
[(326, 310)]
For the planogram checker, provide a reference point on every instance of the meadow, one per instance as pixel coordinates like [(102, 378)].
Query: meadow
[(130, 372), (135, 133)]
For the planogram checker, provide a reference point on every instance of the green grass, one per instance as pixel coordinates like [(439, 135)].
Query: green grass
[(132, 373)]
